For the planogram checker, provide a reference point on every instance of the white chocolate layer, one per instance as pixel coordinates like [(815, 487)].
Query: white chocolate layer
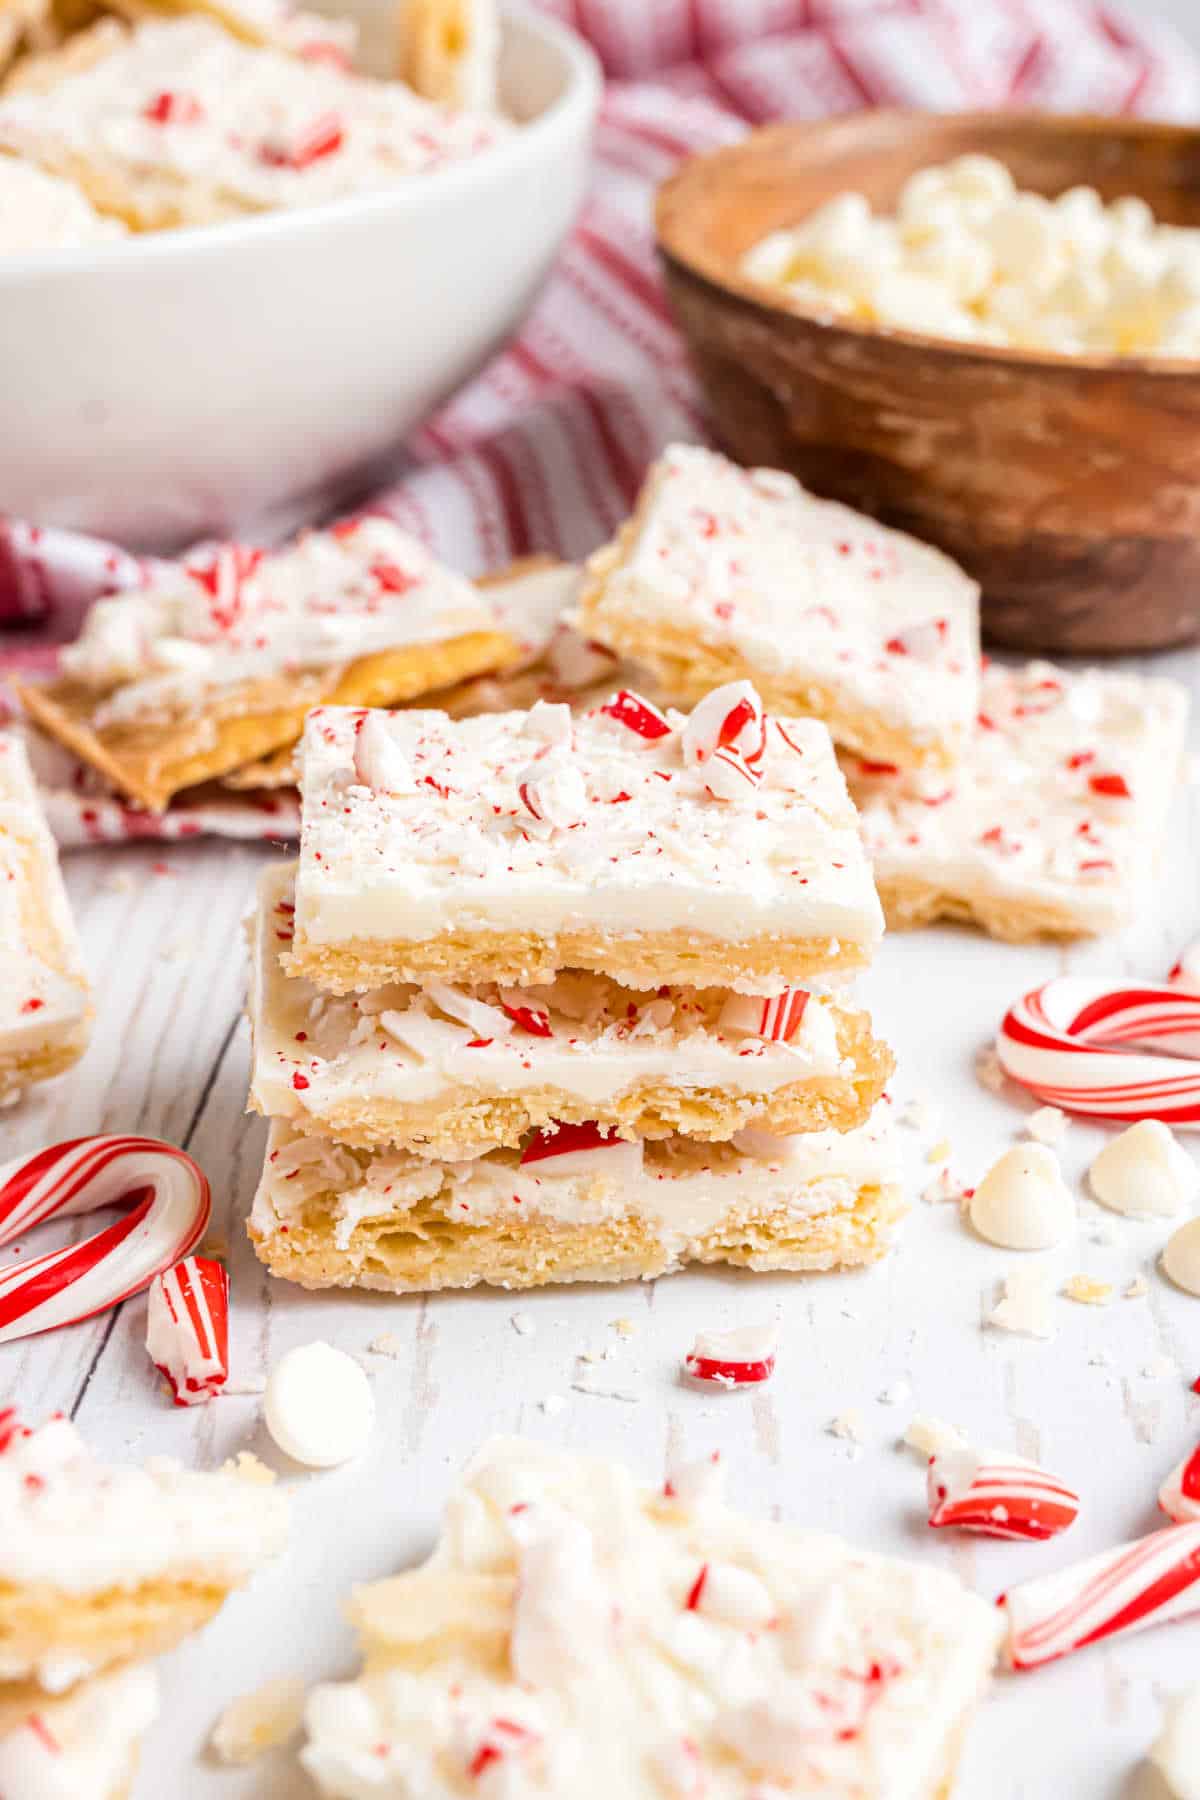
[(800, 589), (577, 1634), (84, 1747), (82, 1526), (185, 105), (649, 851), (315, 1054), (211, 623), (43, 1003), (682, 1189), (1026, 819)]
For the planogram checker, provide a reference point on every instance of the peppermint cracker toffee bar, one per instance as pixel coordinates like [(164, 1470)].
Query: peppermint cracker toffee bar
[(576, 1632), (215, 661), (726, 572), (1053, 824), (720, 850), (44, 1004), (452, 1071), (574, 1204)]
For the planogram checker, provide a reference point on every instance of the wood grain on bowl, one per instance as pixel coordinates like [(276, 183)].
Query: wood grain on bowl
[(1069, 486)]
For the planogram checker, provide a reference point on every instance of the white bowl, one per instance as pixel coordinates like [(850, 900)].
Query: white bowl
[(241, 377)]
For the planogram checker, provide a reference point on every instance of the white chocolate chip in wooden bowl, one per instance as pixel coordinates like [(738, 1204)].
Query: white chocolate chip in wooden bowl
[(1023, 1203)]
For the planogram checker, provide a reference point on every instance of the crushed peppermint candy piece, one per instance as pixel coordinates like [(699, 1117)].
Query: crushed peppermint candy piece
[(999, 1494), (733, 1359), (728, 776), (553, 792), (729, 718), (775, 1018), (693, 1484), (1179, 1495), (187, 1328), (525, 1013), (1185, 972), (565, 1150), (379, 762), (639, 716)]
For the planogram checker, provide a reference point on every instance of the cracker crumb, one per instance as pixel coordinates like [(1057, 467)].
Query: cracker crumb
[(1027, 1305), (248, 1466), (939, 1152), (386, 1344), (1088, 1291), (523, 1324), (928, 1435), (624, 1328), (215, 1246), (259, 1721), (847, 1425), (1048, 1125), (1137, 1287)]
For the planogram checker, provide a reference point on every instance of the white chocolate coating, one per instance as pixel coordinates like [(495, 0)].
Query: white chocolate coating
[(404, 1046), (42, 212), (86, 1748), (801, 589), (577, 1634), (82, 1526), (1025, 819), (653, 852), (41, 1006), (251, 126), (220, 619), (682, 1189)]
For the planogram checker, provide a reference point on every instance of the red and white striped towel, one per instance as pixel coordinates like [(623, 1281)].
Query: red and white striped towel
[(546, 448)]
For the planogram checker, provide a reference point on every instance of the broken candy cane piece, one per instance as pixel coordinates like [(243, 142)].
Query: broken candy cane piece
[(1179, 1495), (728, 776), (525, 1012), (731, 1359), (379, 762), (1023, 1203), (730, 718), (637, 715), (168, 1202), (503, 1739), (581, 1150), (734, 1595), (998, 1494), (187, 1328), (777, 1019), (1148, 1582), (923, 641), (553, 792)]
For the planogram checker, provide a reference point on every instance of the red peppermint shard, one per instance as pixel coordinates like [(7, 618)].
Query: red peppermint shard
[(1115, 786), (173, 109), (527, 1017), (999, 1495), (776, 1019), (187, 1328), (566, 1140), (637, 715), (322, 138), (733, 1359)]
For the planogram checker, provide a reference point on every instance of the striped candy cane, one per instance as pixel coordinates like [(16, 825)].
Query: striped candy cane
[(187, 1328), (1149, 1582), (998, 1494), (1066, 1042), (169, 1204)]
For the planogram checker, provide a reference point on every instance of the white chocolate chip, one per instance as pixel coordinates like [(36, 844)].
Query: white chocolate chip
[(1145, 1171), (319, 1407), (1175, 1752), (1023, 1203), (1048, 1125), (259, 1721)]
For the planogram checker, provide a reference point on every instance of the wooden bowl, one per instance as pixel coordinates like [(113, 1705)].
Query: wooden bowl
[(1068, 485)]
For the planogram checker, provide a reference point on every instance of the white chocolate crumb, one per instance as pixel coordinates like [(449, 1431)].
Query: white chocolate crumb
[(587, 1381), (1136, 1288), (553, 1404), (523, 1324), (896, 1394), (930, 1436), (848, 1425), (1023, 1203), (259, 1721), (1087, 1291), (386, 1344), (1048, 1125), (1027, 1307), (248, 1466)]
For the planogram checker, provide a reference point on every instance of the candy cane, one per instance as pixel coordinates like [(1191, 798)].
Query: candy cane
[(1148, 1582), (731, 1359), (170, 1203), (187, 1328), (1064, 1042), (998, 1494)]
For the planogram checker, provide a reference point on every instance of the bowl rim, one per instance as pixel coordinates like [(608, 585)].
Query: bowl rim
[(730, 282), (576, 103)]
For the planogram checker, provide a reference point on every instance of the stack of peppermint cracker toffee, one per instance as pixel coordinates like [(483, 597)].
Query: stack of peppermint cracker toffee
[(553, 997)]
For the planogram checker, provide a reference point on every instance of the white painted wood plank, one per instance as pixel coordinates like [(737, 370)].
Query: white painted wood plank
[(170, 1057)]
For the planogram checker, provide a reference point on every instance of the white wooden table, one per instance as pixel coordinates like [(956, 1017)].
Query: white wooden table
[(169, 1058)]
